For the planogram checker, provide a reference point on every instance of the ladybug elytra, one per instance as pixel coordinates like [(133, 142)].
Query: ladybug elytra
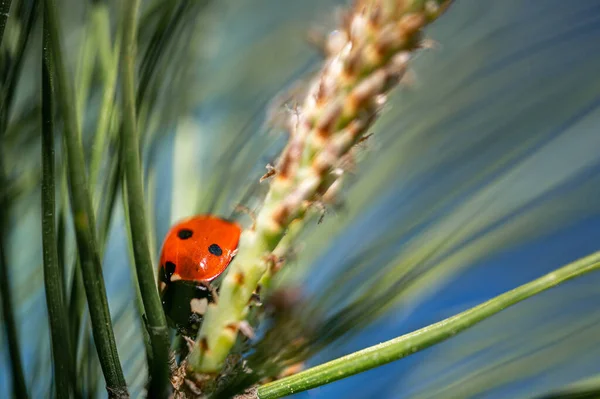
[(195, 252)]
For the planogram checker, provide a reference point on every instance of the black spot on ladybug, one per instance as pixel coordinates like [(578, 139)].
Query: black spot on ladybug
[(215, 250), (184, 234), (169, 270)]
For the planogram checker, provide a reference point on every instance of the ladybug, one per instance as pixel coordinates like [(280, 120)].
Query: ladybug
[(195, 252)]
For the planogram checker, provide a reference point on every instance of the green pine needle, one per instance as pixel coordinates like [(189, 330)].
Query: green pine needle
[(4, 12), (53, 276), (157, 324), (83, 217)]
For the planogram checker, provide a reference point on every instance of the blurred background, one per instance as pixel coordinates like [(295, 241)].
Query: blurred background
[(483, 174)]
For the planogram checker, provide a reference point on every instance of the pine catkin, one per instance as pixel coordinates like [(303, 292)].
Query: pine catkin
[(366, 57)]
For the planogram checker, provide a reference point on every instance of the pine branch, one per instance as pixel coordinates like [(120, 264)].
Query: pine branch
[(64, 369)]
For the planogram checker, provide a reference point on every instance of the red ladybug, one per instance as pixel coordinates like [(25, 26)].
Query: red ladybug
[(196, 251)]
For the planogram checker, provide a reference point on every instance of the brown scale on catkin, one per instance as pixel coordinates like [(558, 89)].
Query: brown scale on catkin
[(204, 344)]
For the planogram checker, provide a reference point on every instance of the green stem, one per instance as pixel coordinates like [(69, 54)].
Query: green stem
[(106, 198), (84, 71), (76, 305), (53, 277), (170, 18), (18, 379), (28, 19), (139, 303), (84, 219), (109, 66), (157, 324), (408, 344), (587, 388), (4, 12)]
